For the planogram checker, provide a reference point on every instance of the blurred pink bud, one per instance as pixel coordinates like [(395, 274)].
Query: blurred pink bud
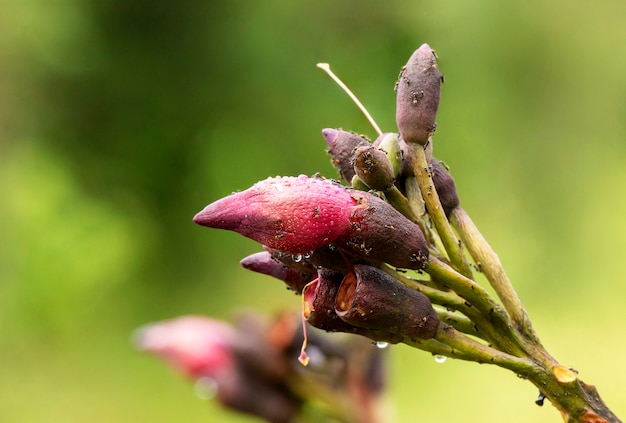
[(196, 346), (292, 214)]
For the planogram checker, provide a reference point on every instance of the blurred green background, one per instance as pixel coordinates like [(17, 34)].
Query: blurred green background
[(119, 120)]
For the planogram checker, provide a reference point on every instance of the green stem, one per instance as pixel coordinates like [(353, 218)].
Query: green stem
[(452, 343), (459, 322), (421, 170), (489, 263)]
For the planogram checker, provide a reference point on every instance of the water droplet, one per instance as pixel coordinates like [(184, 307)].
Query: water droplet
[(205, 388), (308, 255), (297, 258), (381, 344), (440, 358)]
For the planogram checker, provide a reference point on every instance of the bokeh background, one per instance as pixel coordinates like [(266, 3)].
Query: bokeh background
[(119, 120)]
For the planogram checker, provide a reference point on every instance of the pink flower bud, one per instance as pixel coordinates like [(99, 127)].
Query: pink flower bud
[(301, 215), (291, 214)]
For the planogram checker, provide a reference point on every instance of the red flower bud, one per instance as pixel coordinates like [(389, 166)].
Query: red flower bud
[(291, 214), (300, 215), (372, 299)]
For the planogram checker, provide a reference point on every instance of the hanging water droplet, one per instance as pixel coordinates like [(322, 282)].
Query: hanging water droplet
[(308, 255), (297, 258), (440, 358), (382, 344), (205, 388)]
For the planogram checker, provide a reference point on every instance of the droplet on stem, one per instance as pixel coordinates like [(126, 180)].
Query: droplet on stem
[(440, 358)]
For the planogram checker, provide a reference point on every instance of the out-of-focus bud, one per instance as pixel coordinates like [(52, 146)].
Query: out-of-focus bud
[(194, 345), (214, 353), (373, 167), (264, 263), (445, 186), (341, 145), (417, 99), (319, 299), (292, 214), (380, 233), (372, 299)]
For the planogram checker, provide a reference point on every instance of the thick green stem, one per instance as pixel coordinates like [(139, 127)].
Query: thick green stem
[(489, 263)]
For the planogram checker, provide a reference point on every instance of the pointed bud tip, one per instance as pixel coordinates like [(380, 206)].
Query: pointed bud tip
[(329, 135)]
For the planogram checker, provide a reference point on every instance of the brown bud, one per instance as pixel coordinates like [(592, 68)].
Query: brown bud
[(319, 309), (372, 299), (417, 99), (341, 145), (373, 167), (380, 233), (445, 186)]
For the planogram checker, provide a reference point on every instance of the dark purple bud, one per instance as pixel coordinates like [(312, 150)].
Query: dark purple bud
[(380, 233), (417, 99), (319, 299), (341, 145), (264, 263), (373, 167), (445, 186), (372, 299)]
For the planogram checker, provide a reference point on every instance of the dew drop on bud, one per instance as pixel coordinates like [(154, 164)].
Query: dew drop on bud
[(382, 344), (297, 258), (205, 388), (440, 358)]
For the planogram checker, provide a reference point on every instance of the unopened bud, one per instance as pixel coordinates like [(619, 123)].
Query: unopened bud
[(264, 263), (445, 186), (373, 167), (372, 299), (319, 299), (380, 233), (341, 145), (417, 99), (389, 144)]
